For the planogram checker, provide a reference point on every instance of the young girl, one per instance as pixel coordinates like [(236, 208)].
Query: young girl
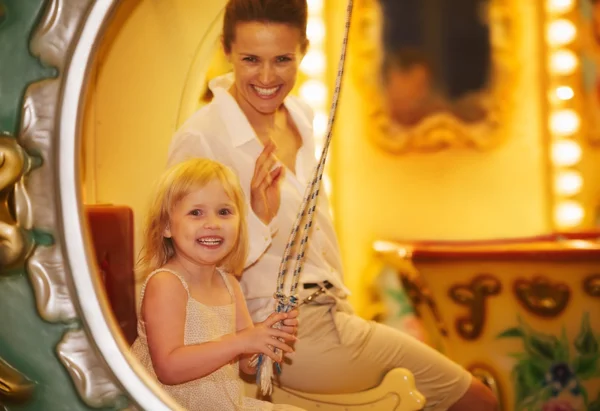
[(194, 327)]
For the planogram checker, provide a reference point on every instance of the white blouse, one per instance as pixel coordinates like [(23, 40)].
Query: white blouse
[(220, 131)]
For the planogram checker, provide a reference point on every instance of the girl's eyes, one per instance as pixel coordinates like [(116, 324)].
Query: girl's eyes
[(225, 211), (222, 211), (250, 59)]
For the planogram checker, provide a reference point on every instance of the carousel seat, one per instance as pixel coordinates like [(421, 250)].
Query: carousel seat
[(397, 392)]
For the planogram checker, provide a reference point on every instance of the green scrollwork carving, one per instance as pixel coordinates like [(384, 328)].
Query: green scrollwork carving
[(473, 296), (542, 297)]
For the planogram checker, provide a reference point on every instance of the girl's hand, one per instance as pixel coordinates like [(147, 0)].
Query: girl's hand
[(264, 187), (290, 324), (263, 337)]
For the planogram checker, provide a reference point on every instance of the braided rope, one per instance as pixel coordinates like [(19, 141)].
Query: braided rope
[(286, 303)]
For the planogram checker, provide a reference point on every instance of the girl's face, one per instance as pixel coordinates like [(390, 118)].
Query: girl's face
[(265, 59), (204, 225)]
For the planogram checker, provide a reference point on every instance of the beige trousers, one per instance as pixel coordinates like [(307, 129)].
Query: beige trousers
[(339, 352)]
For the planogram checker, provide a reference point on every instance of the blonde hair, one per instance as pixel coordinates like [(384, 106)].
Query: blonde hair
[(176, 183)]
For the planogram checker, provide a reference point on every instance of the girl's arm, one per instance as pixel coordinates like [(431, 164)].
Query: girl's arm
[(164, 313), (243, 321)]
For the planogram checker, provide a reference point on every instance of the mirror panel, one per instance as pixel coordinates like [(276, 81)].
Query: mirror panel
[(439, 73)]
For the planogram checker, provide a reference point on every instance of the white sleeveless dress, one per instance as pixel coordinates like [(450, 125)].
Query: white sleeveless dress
[(222, 390)]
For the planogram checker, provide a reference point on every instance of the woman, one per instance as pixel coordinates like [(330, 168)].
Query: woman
[(253, 126)]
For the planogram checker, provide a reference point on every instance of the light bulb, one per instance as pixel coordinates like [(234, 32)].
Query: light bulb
[(563, 62), (314, 93), (564, 122), (561, 32), (568, 213), (568, 183), (313, 63), (315, 6), (560, 6), (565, 153), (315, 31), (564, 93)]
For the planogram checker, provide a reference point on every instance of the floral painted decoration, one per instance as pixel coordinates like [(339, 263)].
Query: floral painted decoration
[(549, 373)]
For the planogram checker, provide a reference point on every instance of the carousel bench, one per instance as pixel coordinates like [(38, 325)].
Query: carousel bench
[(397, 392)]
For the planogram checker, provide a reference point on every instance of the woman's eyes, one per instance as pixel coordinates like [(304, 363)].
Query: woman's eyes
[(281, 59)]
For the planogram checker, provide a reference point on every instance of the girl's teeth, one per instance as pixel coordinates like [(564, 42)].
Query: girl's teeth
[(212, 241)]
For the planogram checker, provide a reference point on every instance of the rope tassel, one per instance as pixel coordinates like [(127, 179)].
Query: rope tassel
[(264, 373), (285, 303)]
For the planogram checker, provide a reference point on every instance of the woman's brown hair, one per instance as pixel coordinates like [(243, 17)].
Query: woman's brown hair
[(291, 12)]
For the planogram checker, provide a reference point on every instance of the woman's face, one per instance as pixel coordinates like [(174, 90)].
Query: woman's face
[(265, 59)]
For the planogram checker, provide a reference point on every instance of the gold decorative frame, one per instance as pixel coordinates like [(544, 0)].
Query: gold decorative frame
[(581, 43), (438, 131)]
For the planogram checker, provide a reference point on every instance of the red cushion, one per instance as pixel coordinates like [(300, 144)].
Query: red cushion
[(111, 231)]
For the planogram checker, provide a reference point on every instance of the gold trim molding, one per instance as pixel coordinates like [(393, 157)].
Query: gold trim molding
[(438, 131), (541, 296), (15, 388), (474, 296), (15, 207)]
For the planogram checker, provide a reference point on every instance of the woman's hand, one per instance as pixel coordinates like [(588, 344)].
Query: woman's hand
[(263, 337), (264, 187)]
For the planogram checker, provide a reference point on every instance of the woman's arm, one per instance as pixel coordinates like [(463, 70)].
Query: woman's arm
[(164, 314)]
